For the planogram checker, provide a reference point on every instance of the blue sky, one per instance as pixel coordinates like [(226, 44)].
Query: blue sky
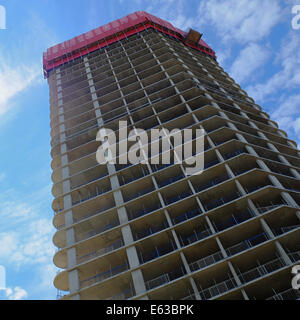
[(254, 41)]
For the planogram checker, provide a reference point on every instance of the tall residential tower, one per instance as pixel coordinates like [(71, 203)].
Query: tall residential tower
[(149, 231)]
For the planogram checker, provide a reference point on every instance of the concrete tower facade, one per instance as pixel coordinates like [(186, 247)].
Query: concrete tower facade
[(150, 231)]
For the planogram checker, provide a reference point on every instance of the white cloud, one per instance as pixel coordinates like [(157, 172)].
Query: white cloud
[(241, 20), (173, 12), (288, 77), (31, 247), (13, 80), (287, 114), (248, 60), (16, 293)]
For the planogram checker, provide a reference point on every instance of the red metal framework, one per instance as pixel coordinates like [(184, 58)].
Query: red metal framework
[(111, 33)]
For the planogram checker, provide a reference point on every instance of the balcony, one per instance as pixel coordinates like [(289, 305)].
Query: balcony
[(96, 192), (206, 261), (195, 236), (283, 230), (150, 231), (187, 215), (289, 294), (101, 252), (214, 182), (218, 289), (124, 295), (172, 199), (165, 278), (100, 277), (219, 202), (112, 224), (247, 244), (261, 270), (235, 219), (133, 214), (157, 252)]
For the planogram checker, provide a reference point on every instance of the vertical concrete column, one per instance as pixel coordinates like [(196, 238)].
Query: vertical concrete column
[(219, 243), (241, 138), (275, 181), (262, 165), (266, 228), (252, 207), (235, 276), (74, 284), (262, 135), (289, 199), (213, 231), (194, 286), (295, 173), (72, 259), (283, 159), (251, 151), (272, 147), (229, 171), (185, 263), (282, 253), (240, 188)]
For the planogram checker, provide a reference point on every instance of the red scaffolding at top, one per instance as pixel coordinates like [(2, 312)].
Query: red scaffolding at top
[(110, 33)]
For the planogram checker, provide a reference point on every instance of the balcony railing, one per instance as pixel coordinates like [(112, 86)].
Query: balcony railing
[(261, 270), (218, 289), (234, 220), (187, 215), (211, 183), (150, 231), (189, 297), (294, 256), (205, 262), (169, 200), (94, 232), (98, 193), (262, 209), (104, 275), (233, 154), (139, 194), (289, 294), (145, 210), (171, 180), (89, 181), (210, 164), (247, 244), (282, 230), (195, 236), (101, 252), (157, 252), (165, 278), (126, 294), (216, 203)]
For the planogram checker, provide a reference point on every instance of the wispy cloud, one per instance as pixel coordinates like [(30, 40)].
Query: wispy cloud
[(288, 77), (249, 59), (287, 114), (14, 80), (26, 239), (240, 20), (16, 293)]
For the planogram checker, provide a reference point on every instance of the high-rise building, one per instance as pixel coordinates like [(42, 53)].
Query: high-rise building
[(149, 231)]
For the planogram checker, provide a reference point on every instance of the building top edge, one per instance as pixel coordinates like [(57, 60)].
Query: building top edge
[(109, 33)]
